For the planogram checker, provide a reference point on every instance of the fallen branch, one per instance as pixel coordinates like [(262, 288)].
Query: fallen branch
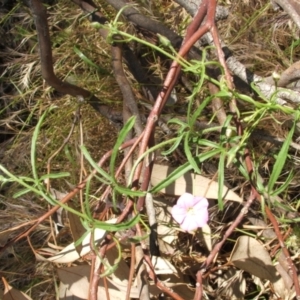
[(64, 87)]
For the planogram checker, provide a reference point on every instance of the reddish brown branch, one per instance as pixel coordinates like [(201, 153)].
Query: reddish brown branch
[(199, 287), (227, 234), (197, 20), (210, 25), (131, 273), (65, 199), (292, 267), (97, 269), (157, 282), (195, 31)]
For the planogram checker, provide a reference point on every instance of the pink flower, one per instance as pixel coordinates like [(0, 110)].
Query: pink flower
[(190, 212)]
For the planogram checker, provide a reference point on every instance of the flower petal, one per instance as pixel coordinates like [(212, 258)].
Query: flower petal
[(202, 203), (178, 213), (201, 218), (189, 223), (186, 200), (191, 212)]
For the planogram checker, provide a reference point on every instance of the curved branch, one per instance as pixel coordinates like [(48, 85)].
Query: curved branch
[(292, 8), (40, 17), (290, 75), (128, 98), (141, 21), (150, 91), (239, 70), (191, 6), (268, 90)]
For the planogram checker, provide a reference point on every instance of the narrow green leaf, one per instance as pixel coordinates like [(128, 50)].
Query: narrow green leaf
[(189, 155), (241, 168), (178, 122), (79, 241), (128, 192), (223, 94), (296, 220), (154, 148), (198, 111), (284, 186), (69, 155), (114, 198), (87, 206), (5, 180), (173, 147), (283, 207), (207, 143), (115, 22), (180, 171), (95, 166), (221, 171), (112, 269), (281, 159), (245, 98), (21, 193), (109, 270), (260, 185), (101, 179), (21, 181), (181, 133), (117, 227), (89, 62), (205, 156), (121, 138), (224, 131), (55, 176), (138, 239), (34, 143)]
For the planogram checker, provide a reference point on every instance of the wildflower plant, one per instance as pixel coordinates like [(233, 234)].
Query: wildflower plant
[(226, 144), (190, 212)]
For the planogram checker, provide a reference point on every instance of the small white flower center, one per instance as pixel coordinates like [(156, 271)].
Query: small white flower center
[(191, 211)]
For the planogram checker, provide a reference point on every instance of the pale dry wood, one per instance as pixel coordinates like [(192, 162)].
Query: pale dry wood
[(191, 6), (197, 185)]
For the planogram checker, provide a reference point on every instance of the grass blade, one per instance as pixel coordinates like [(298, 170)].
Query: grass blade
[(221, 170), (180, 171), (280, 161), (95, 166), (121, 138)]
